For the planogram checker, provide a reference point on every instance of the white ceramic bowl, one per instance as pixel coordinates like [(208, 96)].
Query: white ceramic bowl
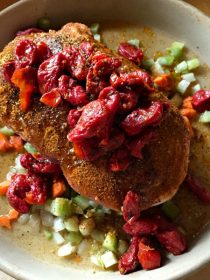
[(185, 23)]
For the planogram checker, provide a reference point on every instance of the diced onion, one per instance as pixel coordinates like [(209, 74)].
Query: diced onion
[(190, 77), (58, 238), (98, 235), (17, 161), (157, 69), (96, 260), (83, 247), (134, 42), (122, 247), (23, 219), (35, 223), (66, 250), (97, 37), (46, 218), (205, 117), (183, 86), (58, 224), (109, 259)]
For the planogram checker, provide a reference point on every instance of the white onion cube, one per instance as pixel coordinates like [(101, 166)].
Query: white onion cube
[(66, 250), (109, 259), (58, 224), (58, 238)]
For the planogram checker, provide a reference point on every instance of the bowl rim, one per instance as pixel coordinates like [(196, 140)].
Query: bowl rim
[(9, 269)]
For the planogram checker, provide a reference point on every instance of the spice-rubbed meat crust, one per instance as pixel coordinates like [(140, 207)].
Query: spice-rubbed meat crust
[(156, 178)]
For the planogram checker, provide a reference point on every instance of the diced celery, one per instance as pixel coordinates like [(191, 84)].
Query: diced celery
[(190, 77), (134, 42), (44, 23), (75, 238), (97, 37), (97, 235), (196, 87), (122, 247), (94, 28), (171, 210), (193, 64), (205, 117), (7, 131), (61, 207), (72, 224), (178, 45), (181, 67), (166, 60), (82, 201), (183, 86), (147, 64), (48, 234), (109, 259), (176, 50), (111, 241), (30, 148)]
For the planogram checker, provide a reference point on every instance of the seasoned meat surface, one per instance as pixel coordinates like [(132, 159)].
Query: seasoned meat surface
[(156, 178)]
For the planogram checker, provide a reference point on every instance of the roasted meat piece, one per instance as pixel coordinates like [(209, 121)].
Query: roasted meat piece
[(155, 176)]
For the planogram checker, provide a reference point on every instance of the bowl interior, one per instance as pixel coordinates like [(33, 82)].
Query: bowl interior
[(176, 19)]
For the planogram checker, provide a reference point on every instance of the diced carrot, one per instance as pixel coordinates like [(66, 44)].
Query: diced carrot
[(36, 156), (5, 221), (164, 82), (4, 187), (25, 80), (4, 143), (29, 198), (58, 188), (16, 142), (13, 215)]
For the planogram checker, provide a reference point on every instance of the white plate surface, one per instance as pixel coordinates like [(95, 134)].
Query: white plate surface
[(181, 20)]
